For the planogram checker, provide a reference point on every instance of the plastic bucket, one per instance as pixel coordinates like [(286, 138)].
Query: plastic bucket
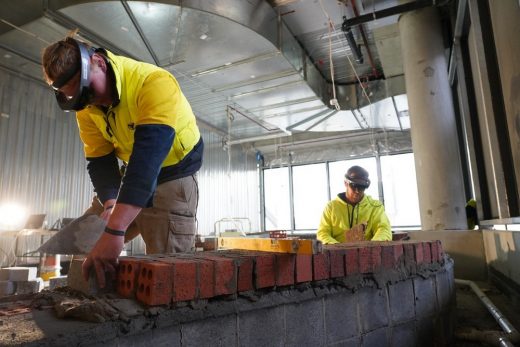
[(50, 266)]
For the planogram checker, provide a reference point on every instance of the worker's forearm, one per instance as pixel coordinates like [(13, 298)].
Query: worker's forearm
[(122, 215)]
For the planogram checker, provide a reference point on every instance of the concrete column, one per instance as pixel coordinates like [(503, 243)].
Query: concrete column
[(432, 117)]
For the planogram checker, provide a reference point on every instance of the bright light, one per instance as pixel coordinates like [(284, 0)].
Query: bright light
[(12, 216)]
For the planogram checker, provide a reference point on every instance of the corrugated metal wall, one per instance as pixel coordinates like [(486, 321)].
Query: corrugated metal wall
[(227, 190), (42, 165), (43, 168)]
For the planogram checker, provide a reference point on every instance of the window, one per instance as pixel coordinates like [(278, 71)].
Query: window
[(312, 190), (310, 195), (400, 187), (277, 200)]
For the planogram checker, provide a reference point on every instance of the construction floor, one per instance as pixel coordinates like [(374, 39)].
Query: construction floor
[(472, 314)]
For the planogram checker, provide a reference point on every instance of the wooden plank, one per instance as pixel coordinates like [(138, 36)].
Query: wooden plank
[(277, 245)]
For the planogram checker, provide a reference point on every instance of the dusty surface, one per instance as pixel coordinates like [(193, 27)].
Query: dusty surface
[(472, 314)]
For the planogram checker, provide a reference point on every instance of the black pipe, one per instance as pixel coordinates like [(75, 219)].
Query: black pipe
[(409, 6), (354, 47)]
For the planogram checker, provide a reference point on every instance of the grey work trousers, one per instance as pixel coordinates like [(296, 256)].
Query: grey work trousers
[(169, 226)]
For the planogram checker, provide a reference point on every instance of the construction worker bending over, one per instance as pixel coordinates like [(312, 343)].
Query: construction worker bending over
[(134, 112), (354, 216)]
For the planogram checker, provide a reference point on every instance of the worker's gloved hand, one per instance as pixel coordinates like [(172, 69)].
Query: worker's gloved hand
[(103, 257), (356, 233)]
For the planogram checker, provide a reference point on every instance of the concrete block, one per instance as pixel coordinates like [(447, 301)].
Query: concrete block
[(303, 268), (401, 298), (321, 266), (376, 338), (221, 331), (55, 282), (304, 324), (341, 318), (29, 287), (7, 288), (443, 284), (425, 332), (425, 296), (372, 305), (76, 281), (403, 335), (272, 332), (18, 273)]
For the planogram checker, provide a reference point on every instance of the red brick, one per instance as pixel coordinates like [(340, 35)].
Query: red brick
[(409, 257), (352, 261), (225, 273), (337, 262), (435, 252), (285, 267), (155, 283), (303, 268), (419, 253), (245, 265), (375, 258), (440, 253), (205, 279), (365, 260), (184, 278), (265, 275), (127, 274), (427, 253), (321, 266), (391, 255)]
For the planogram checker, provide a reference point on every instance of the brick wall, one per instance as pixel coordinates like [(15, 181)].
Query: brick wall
[(368, 293), (365, 294)]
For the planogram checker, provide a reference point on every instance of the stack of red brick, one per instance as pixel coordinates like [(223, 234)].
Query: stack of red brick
[(166, 279)]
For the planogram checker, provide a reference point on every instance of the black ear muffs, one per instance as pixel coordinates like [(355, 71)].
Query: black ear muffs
[(84, 93)]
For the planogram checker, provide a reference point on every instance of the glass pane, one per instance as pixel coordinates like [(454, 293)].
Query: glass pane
[(277, 203), (338, 169), (310, 195), (400, 187)]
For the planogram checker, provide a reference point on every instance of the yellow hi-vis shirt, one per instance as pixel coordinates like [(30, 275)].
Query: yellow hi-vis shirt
[(147, 95), (335, 220)]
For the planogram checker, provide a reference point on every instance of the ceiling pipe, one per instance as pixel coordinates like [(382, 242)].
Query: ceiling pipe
[(391, 11), (356, 51), (365, 41)]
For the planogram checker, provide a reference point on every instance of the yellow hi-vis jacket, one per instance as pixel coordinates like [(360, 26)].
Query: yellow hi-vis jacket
[(336, 219), (139, 90)]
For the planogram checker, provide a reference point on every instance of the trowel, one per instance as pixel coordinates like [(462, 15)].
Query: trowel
[(77, 237)]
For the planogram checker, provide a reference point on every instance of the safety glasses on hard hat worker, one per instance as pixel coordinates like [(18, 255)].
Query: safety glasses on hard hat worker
[(83, 94), (357, 183)]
